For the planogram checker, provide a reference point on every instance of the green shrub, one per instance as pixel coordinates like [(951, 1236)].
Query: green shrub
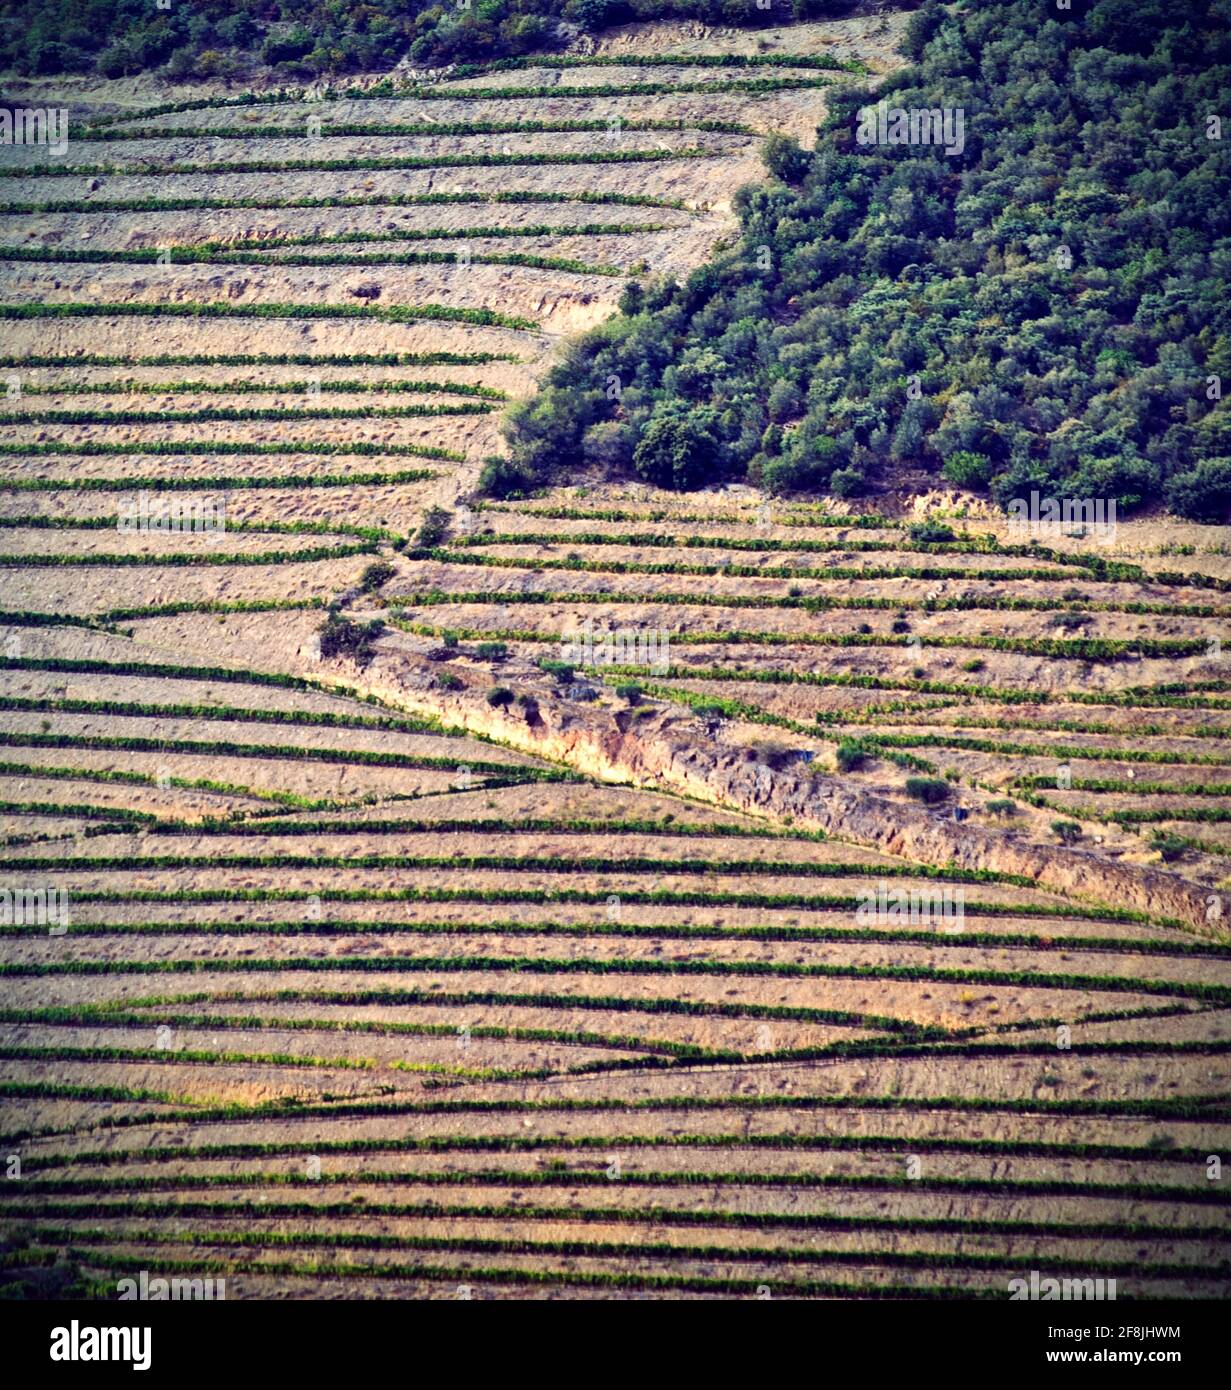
[(340, 636), (1067, 831), (931, 533), (848, 482), (851, 754), (491, 651), (1170, 847), (378, 573), (499, 696), (432, 530), (929, 790)]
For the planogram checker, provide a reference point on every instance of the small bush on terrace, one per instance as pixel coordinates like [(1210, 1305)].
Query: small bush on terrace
[(851, 754), (377, 573), (929, 790), (433, 529), (341, 637), (499, 696)]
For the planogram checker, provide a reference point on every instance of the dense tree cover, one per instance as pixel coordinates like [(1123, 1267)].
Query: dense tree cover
[(1047, 309), (302, 39)]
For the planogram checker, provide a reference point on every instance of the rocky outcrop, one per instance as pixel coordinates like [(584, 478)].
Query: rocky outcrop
[(668, 749)]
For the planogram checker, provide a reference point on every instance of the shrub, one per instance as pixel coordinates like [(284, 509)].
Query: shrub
[(1067, 831), (1202, 493), (491, 651), (446, 680), (1002, 808), (931, 533), (432, 530), (974, 664), (968, 469), (562, 670), (377, 573), (499, 696), (340, 636), (630, 693), (1170, 847), (506, 478), (929, 790), (676, 449), (848, 482), (850, 754), (784, 159)]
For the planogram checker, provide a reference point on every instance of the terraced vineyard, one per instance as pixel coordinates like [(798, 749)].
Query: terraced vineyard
[(866, 938)]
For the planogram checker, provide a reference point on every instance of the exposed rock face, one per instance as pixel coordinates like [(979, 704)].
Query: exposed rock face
[(672, 750)]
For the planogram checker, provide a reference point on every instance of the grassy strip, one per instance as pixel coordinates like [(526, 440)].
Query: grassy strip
[(260, 527), (370, 163), (149, 779), (173, 670), (630, 864), (647, 1250), (189, 448), (80, 811), (225, 483), (539, 825), (657, 897), (283, 359), (570, 1037), (531, 965), (231, 713), (128, 560), (392, 200), (231, 749), (333, 129), (1201, 1107), (818, 603), (25, 618), (214, 414), (388, 88), (1121, 784), (197, 255), (250, 388), (930, 937), (101, 1014), (469, 1274), (1148, 697), (1066, 752), (1080, 648), (222, 309), (518, 562), (587, 1177)]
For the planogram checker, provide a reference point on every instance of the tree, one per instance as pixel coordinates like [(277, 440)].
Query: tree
[(784, 159), (676, 448)]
